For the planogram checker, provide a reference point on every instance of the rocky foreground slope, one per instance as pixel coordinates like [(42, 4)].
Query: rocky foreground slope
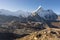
[(29, 31), (46, 34)]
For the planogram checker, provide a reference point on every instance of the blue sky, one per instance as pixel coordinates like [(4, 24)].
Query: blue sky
[(30, 5)]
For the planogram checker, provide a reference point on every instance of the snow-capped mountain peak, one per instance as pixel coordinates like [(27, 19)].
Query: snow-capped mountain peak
[(46, 14), (38, 9)]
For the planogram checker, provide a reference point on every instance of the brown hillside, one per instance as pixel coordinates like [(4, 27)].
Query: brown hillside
[(57, 24), (46, 34), (58, 17)]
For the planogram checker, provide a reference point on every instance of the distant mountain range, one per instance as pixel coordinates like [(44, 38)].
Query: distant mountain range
[(37, 15), (16, 13)]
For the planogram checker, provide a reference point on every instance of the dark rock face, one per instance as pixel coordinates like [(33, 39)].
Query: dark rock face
[(51, 15)]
